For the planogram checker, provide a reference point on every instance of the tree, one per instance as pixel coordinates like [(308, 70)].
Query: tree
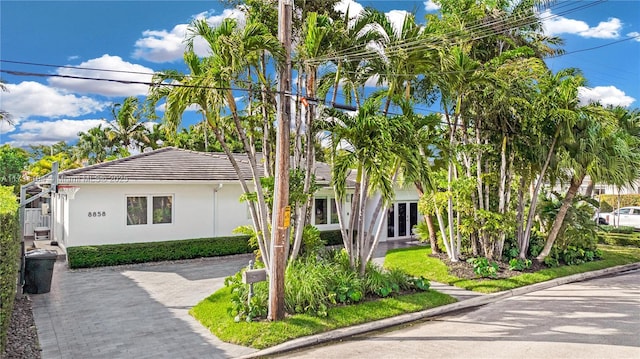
[(94, 146), (600, 149), (13, 161), (362, 142), (210, 86), (127, 129)]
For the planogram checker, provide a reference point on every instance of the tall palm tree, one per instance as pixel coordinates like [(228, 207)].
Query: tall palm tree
[(362, 142), (94, 146), (127, 129), (210, 85), (600, 149)]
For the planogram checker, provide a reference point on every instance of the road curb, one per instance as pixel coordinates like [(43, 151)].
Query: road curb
[(445, 309)]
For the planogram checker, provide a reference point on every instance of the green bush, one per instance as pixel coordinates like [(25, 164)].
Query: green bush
[(314, 284), (130, 253), (9, 258), (620, 239), (625, 200), (519, 264), (482, 267), (331, 238), (614, 229)]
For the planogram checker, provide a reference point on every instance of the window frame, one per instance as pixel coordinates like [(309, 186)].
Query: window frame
[(150, 208)]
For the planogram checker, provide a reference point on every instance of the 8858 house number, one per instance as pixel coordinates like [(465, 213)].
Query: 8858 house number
[(97, 214)]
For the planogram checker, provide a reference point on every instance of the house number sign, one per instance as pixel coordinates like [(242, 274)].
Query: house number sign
[(97, 214)]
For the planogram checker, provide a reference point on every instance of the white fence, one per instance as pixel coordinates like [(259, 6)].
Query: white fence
[(33, 218)]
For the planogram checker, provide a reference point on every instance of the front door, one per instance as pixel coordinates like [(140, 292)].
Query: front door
[(401, 217)]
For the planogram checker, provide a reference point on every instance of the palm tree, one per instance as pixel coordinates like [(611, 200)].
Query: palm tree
[(94, 146), (126, 128), (362, 142), (210, 86), (600, 149)]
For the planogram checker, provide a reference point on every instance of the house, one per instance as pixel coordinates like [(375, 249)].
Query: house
[(174, 194)]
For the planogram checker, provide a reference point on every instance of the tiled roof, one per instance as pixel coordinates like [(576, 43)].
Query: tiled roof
[(171, 164)]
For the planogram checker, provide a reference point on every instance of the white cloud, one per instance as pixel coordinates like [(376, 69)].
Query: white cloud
[(605, 95), (167, 46), (49, 132), (430, 6), (354, 8), (396, 17), (634, 34), (29, 98), (163, 107), (123, 71), (556, 25)]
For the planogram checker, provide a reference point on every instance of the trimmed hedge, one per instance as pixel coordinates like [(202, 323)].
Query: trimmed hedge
[(620, 239), (9, 258), (331, 238), (131, 253), (614, 229)]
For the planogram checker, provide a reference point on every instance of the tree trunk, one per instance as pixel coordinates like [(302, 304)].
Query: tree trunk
[(562, 212)]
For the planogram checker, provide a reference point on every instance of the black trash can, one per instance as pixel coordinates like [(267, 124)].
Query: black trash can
[(38, 270)]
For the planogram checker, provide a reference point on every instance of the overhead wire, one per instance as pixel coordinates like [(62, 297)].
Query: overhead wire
[(417, 44)]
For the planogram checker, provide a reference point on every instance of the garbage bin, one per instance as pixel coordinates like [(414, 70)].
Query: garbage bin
[(38, 270)]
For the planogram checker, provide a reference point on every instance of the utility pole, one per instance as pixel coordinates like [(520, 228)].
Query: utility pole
[(281, 212)]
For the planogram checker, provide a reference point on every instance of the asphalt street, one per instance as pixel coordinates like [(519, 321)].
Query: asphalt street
[(598, 318)]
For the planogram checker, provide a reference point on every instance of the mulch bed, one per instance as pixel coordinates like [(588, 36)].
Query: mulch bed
[(462, 269)]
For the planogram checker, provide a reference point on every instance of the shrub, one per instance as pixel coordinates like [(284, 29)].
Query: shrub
[(379, 282), (346, 287), (307, 286), (9, 258), (331, 238), (482, 267), (613, 229), (130, 253), (620, 239), (312, 241), (519, 264), (240, 307)]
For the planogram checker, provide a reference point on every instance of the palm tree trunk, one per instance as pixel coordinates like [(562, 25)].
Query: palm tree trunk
[(536, 191), (562, 212)]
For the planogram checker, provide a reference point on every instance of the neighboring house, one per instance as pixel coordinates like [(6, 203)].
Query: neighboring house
[(173, 194)]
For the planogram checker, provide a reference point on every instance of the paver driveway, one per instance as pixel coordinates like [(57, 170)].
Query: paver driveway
[(136, 311)]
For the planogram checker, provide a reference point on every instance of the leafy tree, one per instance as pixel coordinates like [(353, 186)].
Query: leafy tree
[(13, 161)]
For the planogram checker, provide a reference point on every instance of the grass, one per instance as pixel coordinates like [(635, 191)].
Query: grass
[(212, 313), (417, 262)]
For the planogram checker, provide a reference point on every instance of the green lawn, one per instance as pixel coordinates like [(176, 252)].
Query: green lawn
[(212, 311), (417, 262)]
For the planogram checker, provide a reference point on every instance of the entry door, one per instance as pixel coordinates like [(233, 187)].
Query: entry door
[(401, 218)]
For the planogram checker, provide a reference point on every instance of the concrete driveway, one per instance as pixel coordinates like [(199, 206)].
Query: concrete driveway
[(598, 318), (138, 311)]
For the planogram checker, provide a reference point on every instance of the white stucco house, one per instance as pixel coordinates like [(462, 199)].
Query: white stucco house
[(175, 194)]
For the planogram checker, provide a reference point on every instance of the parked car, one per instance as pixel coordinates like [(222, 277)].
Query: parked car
[(625, 216)]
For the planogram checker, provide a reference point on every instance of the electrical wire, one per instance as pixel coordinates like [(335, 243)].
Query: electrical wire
[(420, 44)]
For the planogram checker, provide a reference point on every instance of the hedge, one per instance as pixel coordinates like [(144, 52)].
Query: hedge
[(620, 239), (331, 238), (131, 253), (625, 200), (9, 258)]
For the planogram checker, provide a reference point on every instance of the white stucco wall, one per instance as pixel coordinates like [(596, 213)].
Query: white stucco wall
[(199, 210)]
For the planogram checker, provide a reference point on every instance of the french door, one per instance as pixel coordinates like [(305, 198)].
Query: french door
[(401, 217)]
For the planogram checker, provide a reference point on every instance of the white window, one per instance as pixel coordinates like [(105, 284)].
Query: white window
[(325, 211), (145, 209)]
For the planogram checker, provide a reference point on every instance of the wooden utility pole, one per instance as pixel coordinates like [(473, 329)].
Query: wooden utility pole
[(281, 211)]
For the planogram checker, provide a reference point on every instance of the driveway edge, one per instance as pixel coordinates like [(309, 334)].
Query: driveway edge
[(445, 309)]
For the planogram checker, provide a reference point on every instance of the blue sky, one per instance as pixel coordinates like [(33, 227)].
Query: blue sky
[(602, 39)]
